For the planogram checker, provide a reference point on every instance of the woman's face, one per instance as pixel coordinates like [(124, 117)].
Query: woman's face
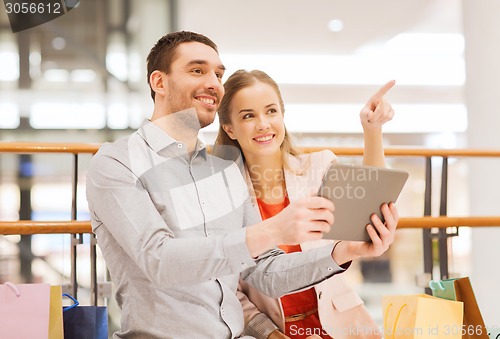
[(257, 121)]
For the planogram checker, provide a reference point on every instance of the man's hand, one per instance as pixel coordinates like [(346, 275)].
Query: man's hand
[(381, 234), (377, 110), (303, 220)]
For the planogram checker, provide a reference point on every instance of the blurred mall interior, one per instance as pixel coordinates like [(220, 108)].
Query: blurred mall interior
[(81, 79)]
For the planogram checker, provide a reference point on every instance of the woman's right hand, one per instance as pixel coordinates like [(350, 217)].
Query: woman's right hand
[(381, 234)]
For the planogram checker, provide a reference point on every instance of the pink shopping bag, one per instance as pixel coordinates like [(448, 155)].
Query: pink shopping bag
[(24, 311)]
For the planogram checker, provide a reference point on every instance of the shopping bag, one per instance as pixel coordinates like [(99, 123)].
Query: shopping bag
[(460, 289), (85, 322), (24, 311), (421, 316), (55, 313)]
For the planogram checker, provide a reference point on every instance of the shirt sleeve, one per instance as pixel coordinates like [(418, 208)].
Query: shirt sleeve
[(125, 218), (277, 273)]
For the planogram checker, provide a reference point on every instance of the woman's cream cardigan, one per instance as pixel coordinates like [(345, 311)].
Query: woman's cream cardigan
[(342, 312)]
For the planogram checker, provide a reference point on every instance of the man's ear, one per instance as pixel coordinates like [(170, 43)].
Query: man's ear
[(156, 81), (229, 130)]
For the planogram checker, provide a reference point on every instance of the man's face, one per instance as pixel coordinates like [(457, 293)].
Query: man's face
[(195, 80)]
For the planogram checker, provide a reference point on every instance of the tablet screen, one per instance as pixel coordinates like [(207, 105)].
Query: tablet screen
[(358, 192)]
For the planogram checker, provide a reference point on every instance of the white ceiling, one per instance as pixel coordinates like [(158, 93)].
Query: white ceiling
[(300, 26)]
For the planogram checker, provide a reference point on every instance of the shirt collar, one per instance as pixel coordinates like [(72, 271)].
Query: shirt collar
[(158, 139), (201, 149)]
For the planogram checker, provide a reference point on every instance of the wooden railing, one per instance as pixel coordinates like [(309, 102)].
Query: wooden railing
[(73, 227), (47, 147), (26, 227), (427, 223)]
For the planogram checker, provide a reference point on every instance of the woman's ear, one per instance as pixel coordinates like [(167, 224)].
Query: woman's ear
[(229, 130), (156, 81)]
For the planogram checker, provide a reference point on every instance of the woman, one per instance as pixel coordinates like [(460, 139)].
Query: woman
[(251, 115)]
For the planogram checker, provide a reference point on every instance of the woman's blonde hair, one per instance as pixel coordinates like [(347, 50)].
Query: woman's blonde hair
[(236, 82)]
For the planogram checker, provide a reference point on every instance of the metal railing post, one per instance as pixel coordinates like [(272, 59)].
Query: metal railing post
[(442, 234), (76, 239), (427, 233)]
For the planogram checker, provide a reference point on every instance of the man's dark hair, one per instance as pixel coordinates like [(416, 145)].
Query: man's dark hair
[(161, 55)]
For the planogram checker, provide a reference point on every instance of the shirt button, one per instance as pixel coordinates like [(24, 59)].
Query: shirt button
[(329, 269), (179, 145)]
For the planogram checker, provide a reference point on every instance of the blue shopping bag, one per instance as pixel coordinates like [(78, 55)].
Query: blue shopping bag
[(85, 322)]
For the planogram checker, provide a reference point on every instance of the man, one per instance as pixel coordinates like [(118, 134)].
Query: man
[(176, 225)]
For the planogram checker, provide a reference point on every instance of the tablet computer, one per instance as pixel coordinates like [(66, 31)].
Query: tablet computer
[(358, 192)]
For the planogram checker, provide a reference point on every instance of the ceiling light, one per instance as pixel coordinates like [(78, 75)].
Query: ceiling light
[(117, 116), (9, 67), (61, 115), (56, 75), (35, 58), (363, 69), (10, 116), (58, 43), (83, 75), (345, 118), (435, 44), (335, 25), (116, 63)]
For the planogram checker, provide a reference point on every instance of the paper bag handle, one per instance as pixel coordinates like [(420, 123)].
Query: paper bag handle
[(76, 303), (13, 288), (396, 320), (434, 283)]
